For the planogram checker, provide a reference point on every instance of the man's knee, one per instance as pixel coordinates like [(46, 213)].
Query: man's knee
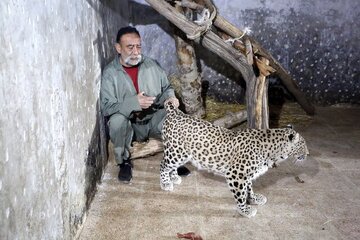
[(118, 123)]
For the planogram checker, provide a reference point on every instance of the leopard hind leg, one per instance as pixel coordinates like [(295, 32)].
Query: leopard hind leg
[(255, 198), (175, 178), (165, 181), (181, 160), (168, 168)]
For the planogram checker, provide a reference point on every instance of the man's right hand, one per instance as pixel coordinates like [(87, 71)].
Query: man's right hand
[(145, 101)]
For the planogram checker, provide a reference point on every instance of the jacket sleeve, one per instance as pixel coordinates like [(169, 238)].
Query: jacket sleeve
[(167, 90), (111, 103)]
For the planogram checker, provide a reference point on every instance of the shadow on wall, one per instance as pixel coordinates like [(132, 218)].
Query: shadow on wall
[(111, 13), (106, 37), (97, 156)]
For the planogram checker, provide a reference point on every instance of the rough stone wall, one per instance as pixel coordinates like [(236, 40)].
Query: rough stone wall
[(317, 41), (52, 53)]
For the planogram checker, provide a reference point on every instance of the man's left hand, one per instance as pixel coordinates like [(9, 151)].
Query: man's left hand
[(174, 101)]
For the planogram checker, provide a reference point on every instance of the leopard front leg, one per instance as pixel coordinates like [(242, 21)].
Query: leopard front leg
[(238, 186), (255, 198)]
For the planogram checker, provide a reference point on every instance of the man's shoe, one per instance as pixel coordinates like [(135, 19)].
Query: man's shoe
[(183, 171), (125, 173)]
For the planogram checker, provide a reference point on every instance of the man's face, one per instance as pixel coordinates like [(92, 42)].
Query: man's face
[(129, 49)]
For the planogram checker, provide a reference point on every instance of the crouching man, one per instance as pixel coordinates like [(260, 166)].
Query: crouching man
[(133, 91)]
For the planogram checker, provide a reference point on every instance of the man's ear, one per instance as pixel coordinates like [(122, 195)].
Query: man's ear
[(118, 47)]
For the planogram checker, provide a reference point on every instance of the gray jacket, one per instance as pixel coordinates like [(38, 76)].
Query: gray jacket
[(118, 94)]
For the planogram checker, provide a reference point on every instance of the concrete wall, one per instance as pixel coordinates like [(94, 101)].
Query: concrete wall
[(51, 53), (317, 41)]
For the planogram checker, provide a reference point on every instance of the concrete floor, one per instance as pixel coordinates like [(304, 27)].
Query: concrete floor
[(325, 206)]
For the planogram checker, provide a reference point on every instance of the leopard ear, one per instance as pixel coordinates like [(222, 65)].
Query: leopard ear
[(294, 138)]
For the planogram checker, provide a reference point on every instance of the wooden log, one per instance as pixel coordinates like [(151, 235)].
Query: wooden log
[(191, 29), (262, 96), (231, 119), (249, 52), (237, 44), (189, 4), (145, 149), (266, 69), (286, 79), (265, 106), (262, 64), (214, 43)]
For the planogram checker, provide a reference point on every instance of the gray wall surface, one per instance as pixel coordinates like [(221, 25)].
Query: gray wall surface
[(51, 53), (317, 41)]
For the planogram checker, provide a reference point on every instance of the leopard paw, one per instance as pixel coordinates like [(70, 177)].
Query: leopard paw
[(257, 199), (176, 179), (167, 186), (247, 211)]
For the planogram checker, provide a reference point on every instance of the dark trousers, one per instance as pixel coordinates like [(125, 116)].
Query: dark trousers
[(122, 131)]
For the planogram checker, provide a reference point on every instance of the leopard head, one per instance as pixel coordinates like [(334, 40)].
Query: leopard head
[(295, 146)]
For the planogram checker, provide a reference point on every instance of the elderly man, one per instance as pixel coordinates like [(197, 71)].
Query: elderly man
[(133, 91)]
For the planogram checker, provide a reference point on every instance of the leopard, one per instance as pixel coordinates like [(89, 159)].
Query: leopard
[(240, 156)]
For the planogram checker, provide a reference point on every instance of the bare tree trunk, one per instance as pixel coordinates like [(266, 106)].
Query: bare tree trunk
[(262, 110), (190, 79)]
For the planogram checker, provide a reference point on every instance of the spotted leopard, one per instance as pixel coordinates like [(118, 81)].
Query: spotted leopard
[(240, 156)]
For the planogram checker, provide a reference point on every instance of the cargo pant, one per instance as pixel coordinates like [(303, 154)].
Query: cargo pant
[(123, 131)]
